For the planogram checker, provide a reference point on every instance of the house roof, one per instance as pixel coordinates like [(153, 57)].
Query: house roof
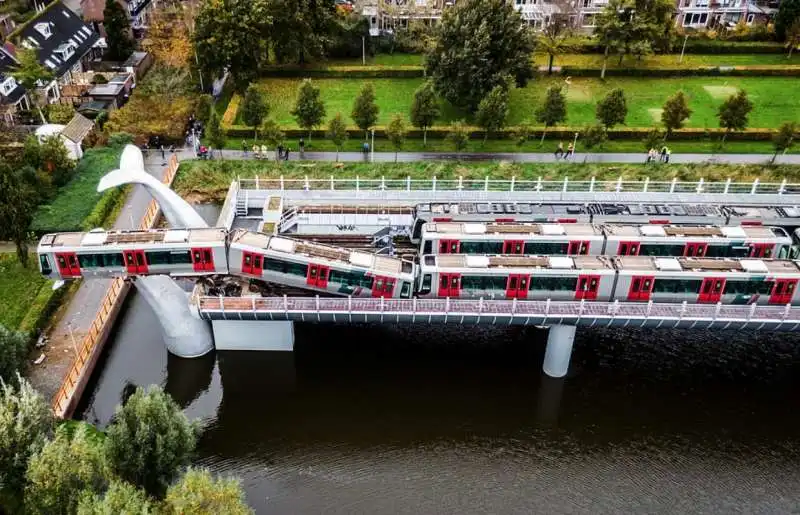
[(60, 37), (77, 128), (7, 64)]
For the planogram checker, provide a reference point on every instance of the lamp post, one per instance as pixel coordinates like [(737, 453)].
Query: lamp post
[(683, 48), (372, 148), (72, 337)]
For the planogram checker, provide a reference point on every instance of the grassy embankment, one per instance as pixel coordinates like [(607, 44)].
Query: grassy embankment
[(209, 180)]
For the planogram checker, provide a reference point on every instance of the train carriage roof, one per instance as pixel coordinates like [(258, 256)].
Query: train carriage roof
[(466, 229), (383, 264), (99, 238), (681, 231), (687, 264), (517, 261)]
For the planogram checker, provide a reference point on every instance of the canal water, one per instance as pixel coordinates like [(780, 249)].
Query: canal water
[(448, 419)]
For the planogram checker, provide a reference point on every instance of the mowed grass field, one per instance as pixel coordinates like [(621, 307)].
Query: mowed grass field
[(775, 99)]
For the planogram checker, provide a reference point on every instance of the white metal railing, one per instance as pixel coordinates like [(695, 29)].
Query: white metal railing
[(516, 185), (480, 307), (228, 212)]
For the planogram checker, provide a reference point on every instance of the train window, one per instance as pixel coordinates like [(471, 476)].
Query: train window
[(100, 260), (646, 249), (405, 290), (355, 279), (62, 263), (173, 257), (45, 264), (543, 283), (482, 282), (748, 287), (427, 247), (481, 247), (676, 286), (542, 248), (426, 284), (296, 269)]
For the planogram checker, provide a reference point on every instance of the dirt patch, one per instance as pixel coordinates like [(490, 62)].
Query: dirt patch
[(720, 92), (655, 114), (204, 197), (578, 93)]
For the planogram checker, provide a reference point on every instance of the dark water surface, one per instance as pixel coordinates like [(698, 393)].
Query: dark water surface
[(444, 419)]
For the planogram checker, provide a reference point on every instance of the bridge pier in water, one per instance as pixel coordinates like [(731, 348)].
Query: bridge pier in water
[(559, 350), (265, 335)]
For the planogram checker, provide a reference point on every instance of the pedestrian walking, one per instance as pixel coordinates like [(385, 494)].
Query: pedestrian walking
[(286, 154), (570, 150), (663, 156), (302, 146), (163, 156), (559, 153), (667, 152), (244, 149), (280, 151)]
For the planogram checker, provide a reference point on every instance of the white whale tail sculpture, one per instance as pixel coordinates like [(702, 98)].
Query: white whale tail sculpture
[(131, 171)]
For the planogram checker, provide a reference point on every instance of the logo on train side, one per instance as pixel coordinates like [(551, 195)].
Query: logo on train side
[(346, 227)]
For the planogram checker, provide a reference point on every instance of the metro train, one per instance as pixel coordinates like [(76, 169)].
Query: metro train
[(194, 252), (607, 239), (598, 213)]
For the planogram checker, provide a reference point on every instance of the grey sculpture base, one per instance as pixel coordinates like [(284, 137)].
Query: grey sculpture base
[(558, 350), (185, 335), (273, 335)]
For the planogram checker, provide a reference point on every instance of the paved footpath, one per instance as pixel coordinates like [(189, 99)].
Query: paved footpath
[(522, 157), (84, 305)]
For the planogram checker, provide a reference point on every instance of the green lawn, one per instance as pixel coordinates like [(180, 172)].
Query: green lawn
[(596, 60), (776, 99), (75, 201), (209, 180), (19, 286)]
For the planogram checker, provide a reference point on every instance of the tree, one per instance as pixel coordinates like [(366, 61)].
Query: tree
[(733, 113), (233, 35), (150, 440), (523, 133), (365, 110), (214, 132), (337, 132), (120, 498), (675, 112), (654, 139), (168, 36), (553, 110), (793, 37), (50, 157), (784, 138), (593, 136), (29, 73), (26, 421), (396, 132), (424, 109), (480, 44), (788, 13), (18, 202), (64, 468), (118, 31), (458, 135), (254, 108), (553, 39), (301, 29), (613, 109), (60, 113), (13, 352), (272, 133), (493, 111), (309, 110), (199, 494)]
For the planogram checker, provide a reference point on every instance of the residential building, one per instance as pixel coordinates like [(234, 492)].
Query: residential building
[(139, 11), (389, 15), (699, 14), (12, 95)]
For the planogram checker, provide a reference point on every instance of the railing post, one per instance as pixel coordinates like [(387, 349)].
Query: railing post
[(646, 184), (513, 305), (513, 179), (649, 308), (317, 302), (547, 307), (566, 183), (619, 184), (753, 190), (727, 185), (433, 184), (539, 183), (752, 311), (614, 307), (700, 185), (716, 311), (222, 303), (583, 306), (383, 183), (381, 304), (349, 303), (591, 184), (257, 182), (782, 188), (332, 183), (672, 186), (683, 308), (414, 305), (786, 311), (408, 183), (253, 303), (460, 182), (285, 304), (480, 305), (306, 184), (486, 183), (358, 185), (282, 183), (446, 305)]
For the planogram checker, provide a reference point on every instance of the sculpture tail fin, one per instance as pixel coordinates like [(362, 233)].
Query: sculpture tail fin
[(131, 169)]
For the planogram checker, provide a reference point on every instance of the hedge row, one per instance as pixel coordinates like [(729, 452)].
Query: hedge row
[(42, 308), (409, 72), (702, 46), (238, 131)]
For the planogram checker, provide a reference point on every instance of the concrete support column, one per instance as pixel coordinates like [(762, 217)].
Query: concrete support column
[(185, 335), (559, 350), (268, 335)]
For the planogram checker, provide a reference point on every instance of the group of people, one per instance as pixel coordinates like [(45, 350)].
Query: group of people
[(262, 152), (663, 155), (559, 153)]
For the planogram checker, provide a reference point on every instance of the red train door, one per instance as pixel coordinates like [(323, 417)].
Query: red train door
[(513, 247), (628, 248), (761, 250), (202, 260), (783, 291), (587, 287), (449, 285), (578, 248), (711, 290), (135, 261), (695, 249), (517, 286), (382, 286), (252, 263), (449, 246), (68, 265), (318, 276), (641, 288)]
